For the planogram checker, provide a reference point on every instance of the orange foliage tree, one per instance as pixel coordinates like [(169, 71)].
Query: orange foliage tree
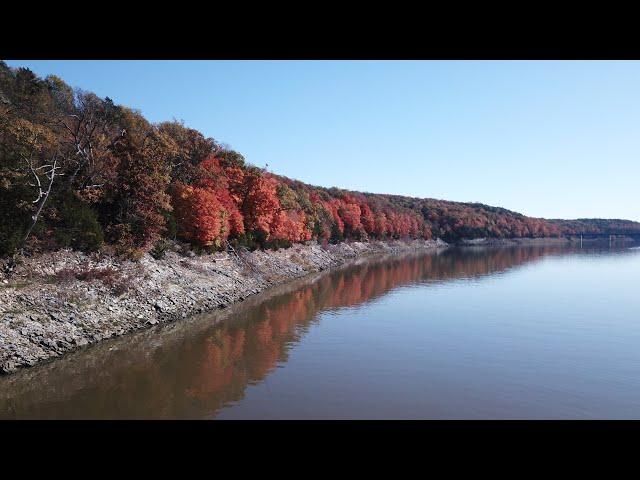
[(200, 216), (260, 203)]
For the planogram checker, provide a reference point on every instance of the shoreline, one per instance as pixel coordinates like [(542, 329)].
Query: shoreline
[(59, 302), (92, 366), (542, 241)]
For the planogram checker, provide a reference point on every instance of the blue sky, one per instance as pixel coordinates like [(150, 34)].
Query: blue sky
[(557, 139)]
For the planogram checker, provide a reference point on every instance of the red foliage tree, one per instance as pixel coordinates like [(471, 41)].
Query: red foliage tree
[(350, 214), (199, 215), (367, 218), (260, 203), (289, 225), (381, 228)]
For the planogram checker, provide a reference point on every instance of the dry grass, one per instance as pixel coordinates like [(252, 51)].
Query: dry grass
[(118, 283)]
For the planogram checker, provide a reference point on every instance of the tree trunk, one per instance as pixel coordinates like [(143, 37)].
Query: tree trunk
[(43, 200), (35, 217)]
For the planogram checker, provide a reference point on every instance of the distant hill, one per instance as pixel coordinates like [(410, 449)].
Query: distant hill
[(597, 226)]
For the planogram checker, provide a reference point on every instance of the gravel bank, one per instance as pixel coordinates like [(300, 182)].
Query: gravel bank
[(58, 302)]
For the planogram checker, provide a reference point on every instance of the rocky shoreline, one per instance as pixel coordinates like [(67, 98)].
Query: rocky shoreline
[(542, 241), (58, 302), (507, 242)]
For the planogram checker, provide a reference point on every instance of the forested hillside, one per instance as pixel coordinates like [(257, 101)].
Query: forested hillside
[(79, 171)]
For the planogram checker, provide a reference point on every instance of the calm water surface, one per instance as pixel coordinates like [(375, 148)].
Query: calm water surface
[(535, 332)]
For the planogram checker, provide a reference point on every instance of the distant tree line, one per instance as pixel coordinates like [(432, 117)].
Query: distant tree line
[(79, 171)]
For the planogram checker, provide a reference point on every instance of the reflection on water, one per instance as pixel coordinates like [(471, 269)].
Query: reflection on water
[(356, 334)]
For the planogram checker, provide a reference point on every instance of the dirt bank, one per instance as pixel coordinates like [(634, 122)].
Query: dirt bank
[(62, 301)]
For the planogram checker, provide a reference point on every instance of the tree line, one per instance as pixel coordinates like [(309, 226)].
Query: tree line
[(79, 171)]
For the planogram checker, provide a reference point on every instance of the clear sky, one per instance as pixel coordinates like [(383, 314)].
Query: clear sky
[(557, 139)]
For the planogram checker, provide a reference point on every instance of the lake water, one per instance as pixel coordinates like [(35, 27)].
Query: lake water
[(473, 333)]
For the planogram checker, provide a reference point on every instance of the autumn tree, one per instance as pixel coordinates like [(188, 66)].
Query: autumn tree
[(349, 212), (36, 164), (138, 197), (191, 149), (199, 215), (260, 203)]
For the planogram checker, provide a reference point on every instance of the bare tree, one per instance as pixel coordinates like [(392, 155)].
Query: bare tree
[(89, 135), (44, 176)]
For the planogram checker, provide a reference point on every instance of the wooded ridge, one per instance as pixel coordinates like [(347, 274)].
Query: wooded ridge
[(79, 171)]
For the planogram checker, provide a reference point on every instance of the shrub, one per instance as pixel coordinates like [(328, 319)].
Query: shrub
[(109, 277), (250, 240), (78, 227), (86, 275), (13, 220), (121, 285), (160, 249)]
